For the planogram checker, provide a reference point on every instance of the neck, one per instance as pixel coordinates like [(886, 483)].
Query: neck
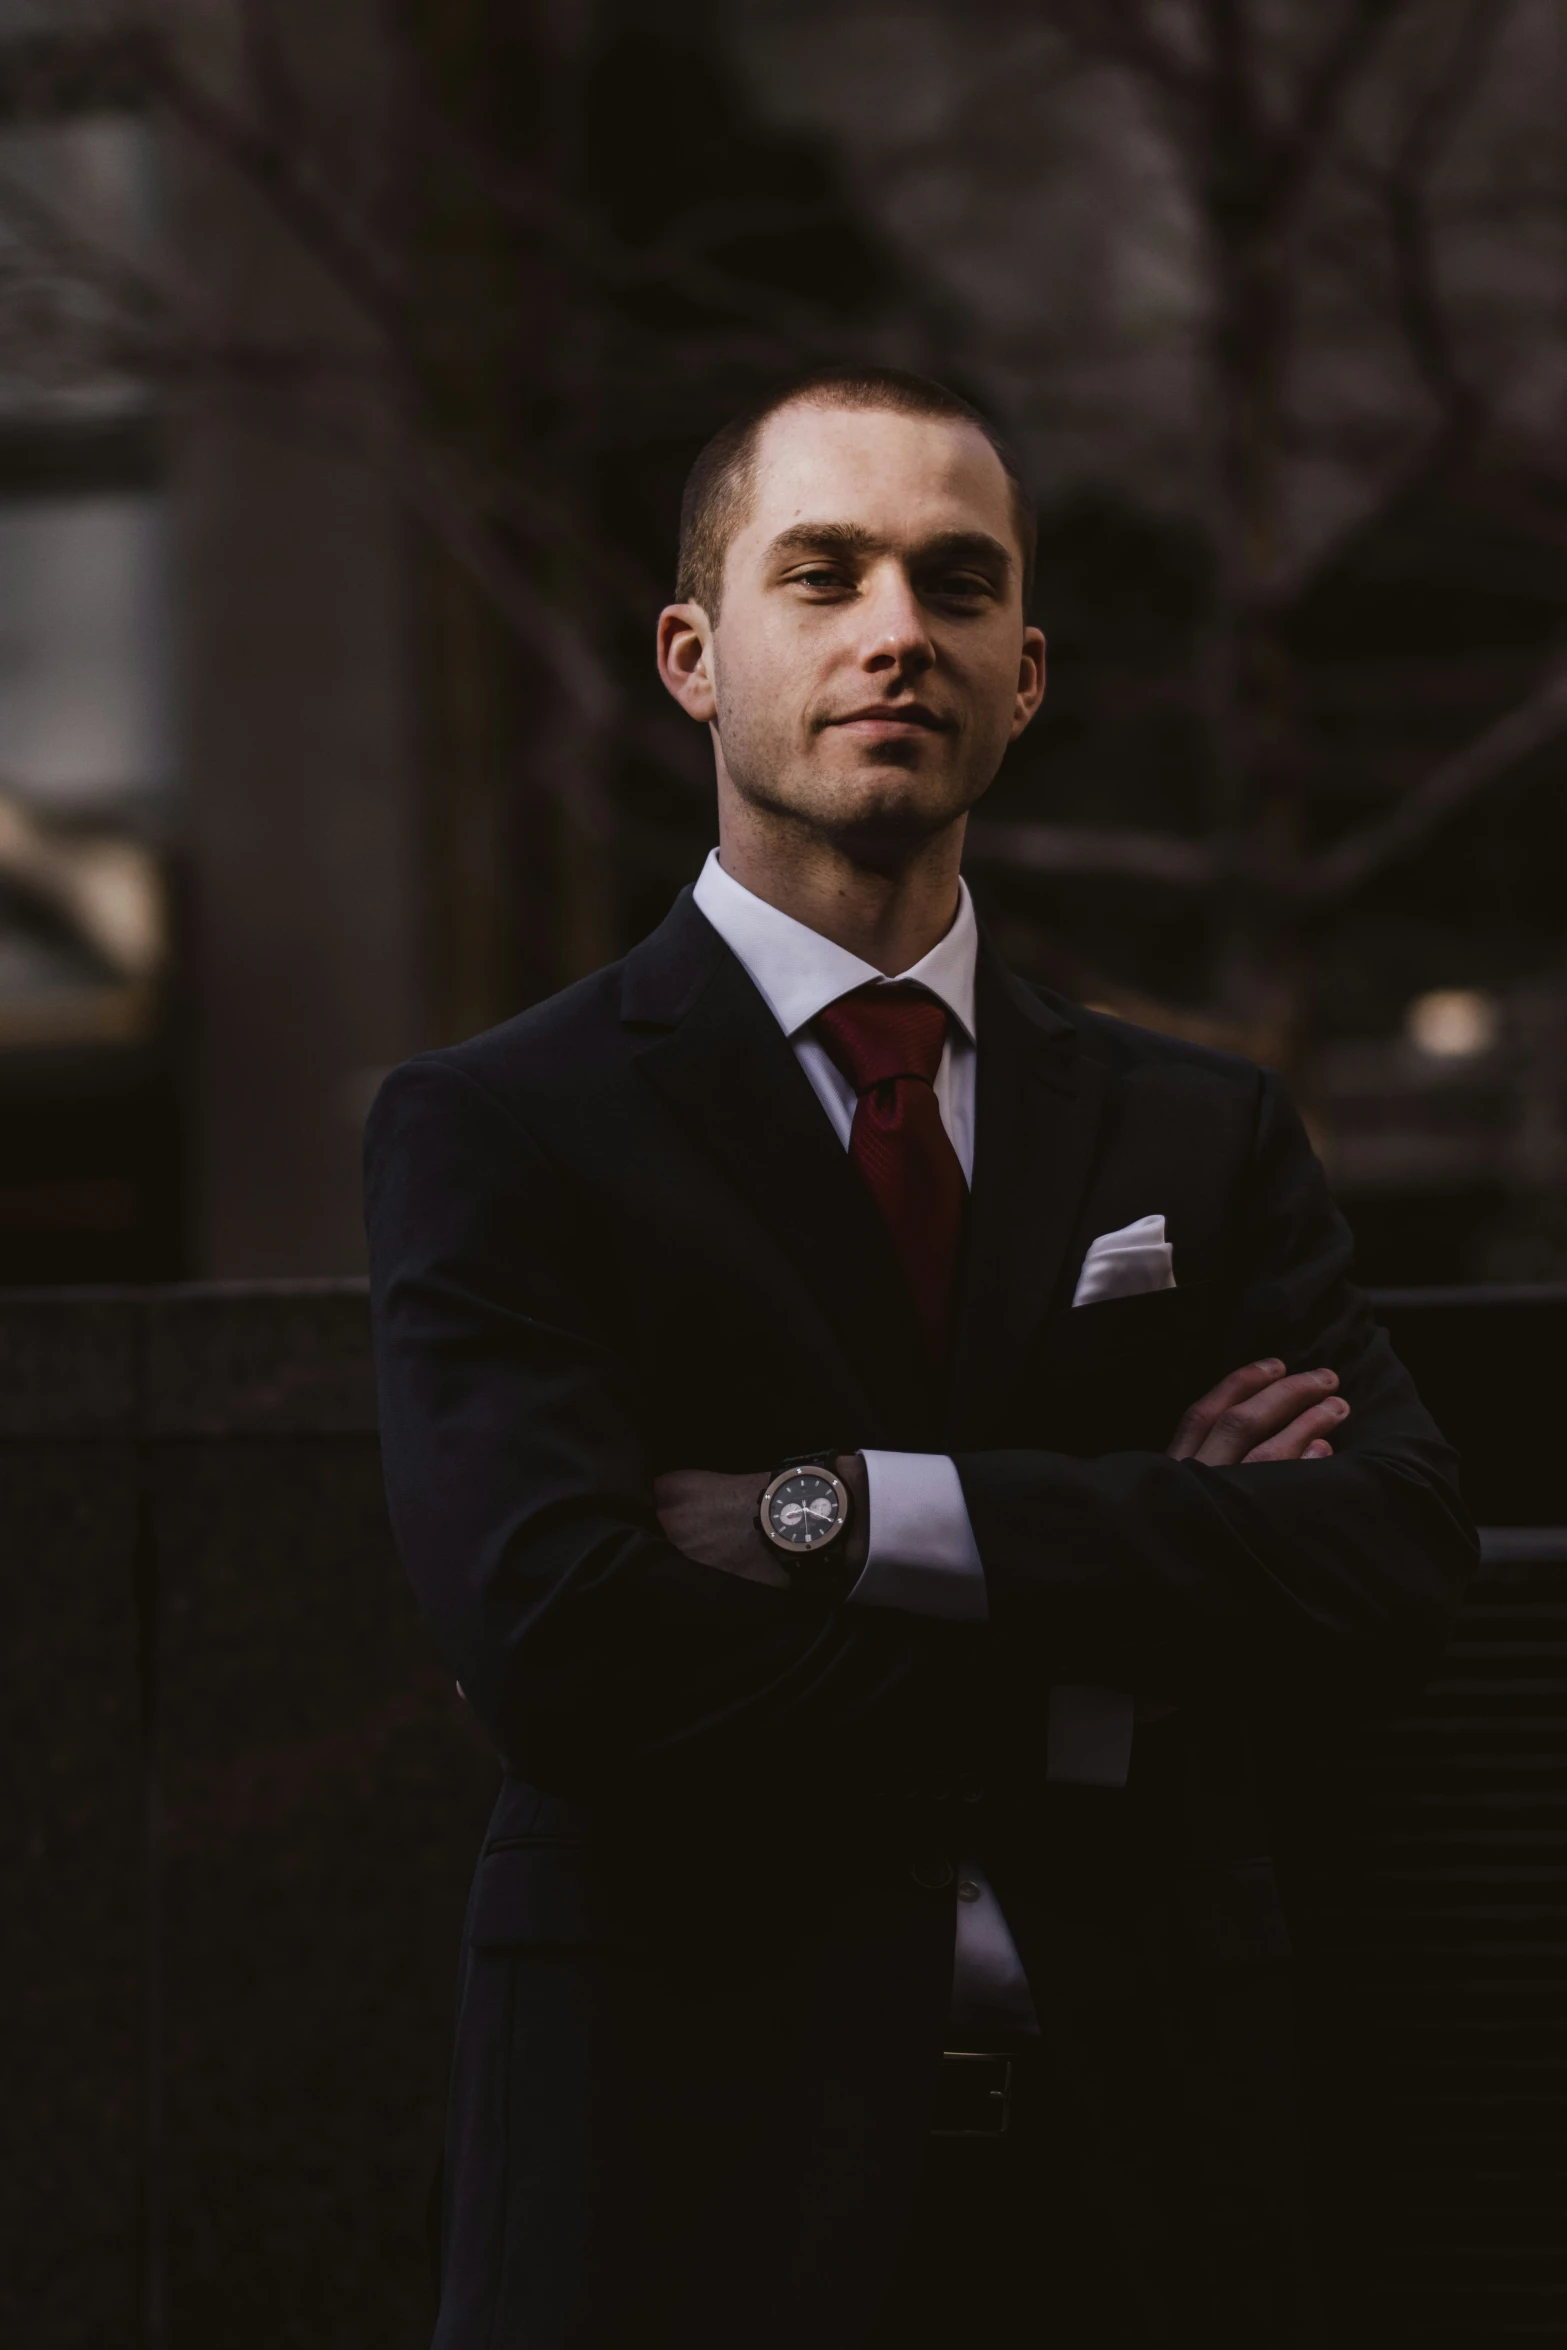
[(890, 914)]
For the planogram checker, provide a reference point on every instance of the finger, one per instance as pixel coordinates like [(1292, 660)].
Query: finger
[(1244, 1426), (1240, 1384), (1255, 1418), (1318, 1452), (1311, 1427)]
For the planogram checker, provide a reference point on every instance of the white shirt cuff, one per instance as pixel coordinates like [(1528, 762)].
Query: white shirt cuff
[(922, 1557)]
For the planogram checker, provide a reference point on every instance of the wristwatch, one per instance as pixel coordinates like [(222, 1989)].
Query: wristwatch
[(804, 1515)]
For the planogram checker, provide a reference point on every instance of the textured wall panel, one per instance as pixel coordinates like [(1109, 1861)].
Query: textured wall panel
[(73, 2121), (1464, 1969), (324, 1797)]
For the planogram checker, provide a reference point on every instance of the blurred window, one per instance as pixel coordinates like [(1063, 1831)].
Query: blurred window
[(89, 1115), (84, 593), (84, 700)]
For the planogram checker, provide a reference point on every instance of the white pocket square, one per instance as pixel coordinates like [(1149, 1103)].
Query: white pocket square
[(1126, 1263)]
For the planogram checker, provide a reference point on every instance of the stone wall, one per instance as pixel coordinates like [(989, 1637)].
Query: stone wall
[(246, 1802)]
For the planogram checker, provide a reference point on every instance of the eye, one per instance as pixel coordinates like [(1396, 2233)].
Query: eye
[(819, 575)]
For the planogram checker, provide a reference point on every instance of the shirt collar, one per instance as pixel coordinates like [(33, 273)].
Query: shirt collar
[(798, 972)]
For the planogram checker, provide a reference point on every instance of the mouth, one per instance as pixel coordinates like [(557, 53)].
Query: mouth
[(893, 719)]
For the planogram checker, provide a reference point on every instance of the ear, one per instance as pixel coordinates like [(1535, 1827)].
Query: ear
[(685, 642), (1030, 681)]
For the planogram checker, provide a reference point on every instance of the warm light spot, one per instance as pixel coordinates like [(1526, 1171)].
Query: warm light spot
[(1453, 1023)]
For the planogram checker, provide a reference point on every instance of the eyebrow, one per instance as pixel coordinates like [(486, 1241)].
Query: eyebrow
[(852, 538)]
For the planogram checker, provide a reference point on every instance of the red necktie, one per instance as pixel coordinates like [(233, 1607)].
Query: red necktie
[(887, 1041)]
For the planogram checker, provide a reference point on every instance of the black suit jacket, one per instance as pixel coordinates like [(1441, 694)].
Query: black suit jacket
[(710, 1941)]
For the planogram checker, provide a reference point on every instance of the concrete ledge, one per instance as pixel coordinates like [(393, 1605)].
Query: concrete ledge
[(68, 1364)]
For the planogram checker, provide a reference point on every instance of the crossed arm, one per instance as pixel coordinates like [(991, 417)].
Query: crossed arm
[(1259, 1413), (580, 1609)]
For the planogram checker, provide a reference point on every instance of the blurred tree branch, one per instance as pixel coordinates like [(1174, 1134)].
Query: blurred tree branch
[(1126, 854), (1403, 186), (1491, 758), (158, 328), (271, 149), (1311, 145), (1267, 116), (1328, 85), (1120, 33)]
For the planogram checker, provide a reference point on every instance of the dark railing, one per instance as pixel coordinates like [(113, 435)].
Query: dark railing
[(1457, 1958), (245, 1802)]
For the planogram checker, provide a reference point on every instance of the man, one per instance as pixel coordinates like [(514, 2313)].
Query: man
[(885, 1451)]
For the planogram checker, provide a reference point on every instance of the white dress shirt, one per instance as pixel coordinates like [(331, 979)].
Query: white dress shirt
[(922, 1555), (922, 1552)]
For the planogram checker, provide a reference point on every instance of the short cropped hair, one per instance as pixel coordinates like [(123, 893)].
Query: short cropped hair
[(718, 488)]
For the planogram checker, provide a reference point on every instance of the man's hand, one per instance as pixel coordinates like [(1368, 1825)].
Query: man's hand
[(711, 1516), (1257, 1414)]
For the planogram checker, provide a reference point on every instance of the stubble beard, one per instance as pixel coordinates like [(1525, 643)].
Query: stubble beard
[(884, 830)]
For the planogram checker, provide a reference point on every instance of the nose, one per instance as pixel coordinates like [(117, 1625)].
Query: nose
[(895, 635)]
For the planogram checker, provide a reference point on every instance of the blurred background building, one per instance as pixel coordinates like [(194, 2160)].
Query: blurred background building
[(350, 363)]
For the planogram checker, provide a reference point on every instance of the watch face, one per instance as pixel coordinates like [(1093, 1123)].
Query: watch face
[(804, 1510)]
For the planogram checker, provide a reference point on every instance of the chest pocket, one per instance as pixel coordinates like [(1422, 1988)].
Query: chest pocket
[(1116, 1377)]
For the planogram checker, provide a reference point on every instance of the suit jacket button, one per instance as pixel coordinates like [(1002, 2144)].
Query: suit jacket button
[(967, 1889), (932, 1871)]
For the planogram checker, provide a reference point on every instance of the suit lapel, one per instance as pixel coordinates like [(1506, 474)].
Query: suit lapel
[(723, 1064), (1040, 1102)]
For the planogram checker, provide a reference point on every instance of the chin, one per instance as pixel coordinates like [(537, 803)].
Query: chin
[(880, 809), (893, 794), (885, 819)]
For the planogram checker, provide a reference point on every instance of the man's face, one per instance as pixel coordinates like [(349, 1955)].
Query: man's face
[(870, 663)]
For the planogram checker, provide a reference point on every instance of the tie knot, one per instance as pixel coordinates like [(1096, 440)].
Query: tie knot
[(881, 1033)]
